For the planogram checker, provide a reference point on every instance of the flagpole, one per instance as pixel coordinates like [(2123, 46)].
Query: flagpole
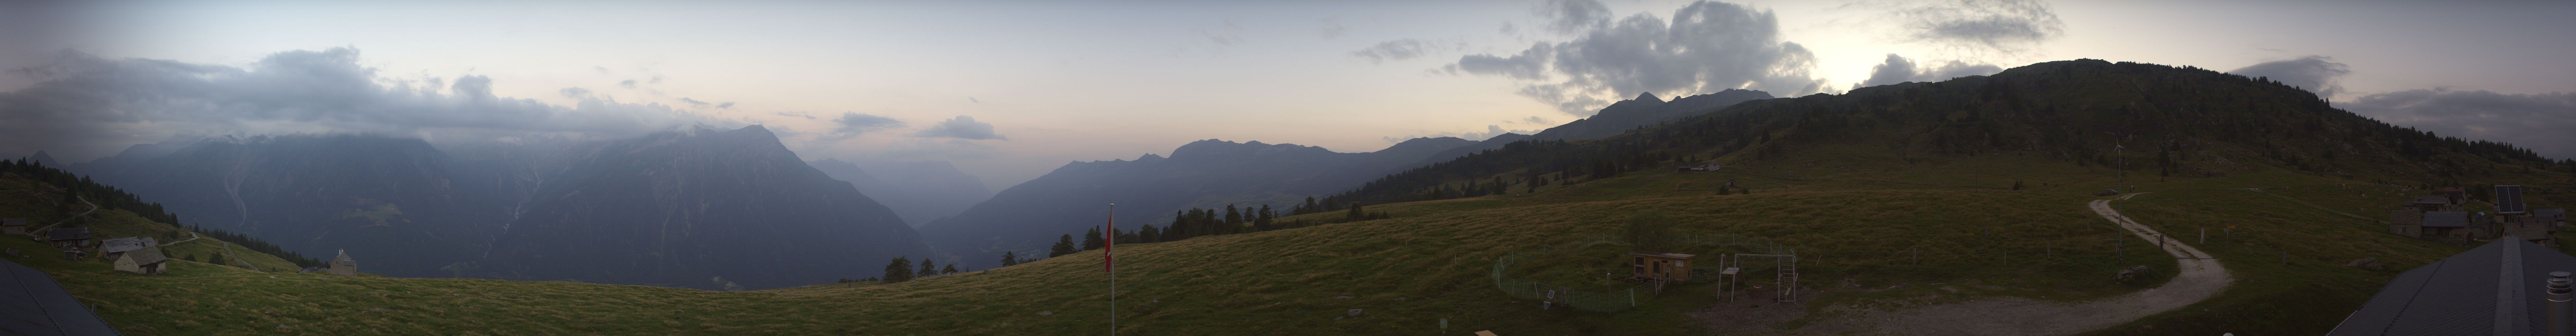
[(1112, 263)]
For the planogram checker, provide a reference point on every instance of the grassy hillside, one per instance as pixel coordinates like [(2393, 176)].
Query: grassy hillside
[(1894, 197), (35, 201), (1977, 238)]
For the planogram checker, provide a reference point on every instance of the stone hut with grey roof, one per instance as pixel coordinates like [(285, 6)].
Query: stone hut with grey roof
[(147, 260)]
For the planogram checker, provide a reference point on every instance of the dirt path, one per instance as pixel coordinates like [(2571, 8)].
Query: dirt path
[(2200, 278), (191, 236), (93, 207)]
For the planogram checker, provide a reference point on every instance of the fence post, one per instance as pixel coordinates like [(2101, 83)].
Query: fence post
[(1632, 297)]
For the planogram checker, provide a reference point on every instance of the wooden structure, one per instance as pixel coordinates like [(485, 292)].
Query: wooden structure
[(2408, 223), (342, 265), (113, 248), (1671, 267), (2557, 215), (2449, 227), (1731, 274), (2431, 203), (15, 226), (68, 237), (147, 260), (2541, 231)]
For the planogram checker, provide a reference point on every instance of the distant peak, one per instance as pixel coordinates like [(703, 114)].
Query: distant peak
[(1648, 96)]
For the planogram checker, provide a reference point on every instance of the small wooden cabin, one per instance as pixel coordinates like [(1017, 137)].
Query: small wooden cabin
[(1674, 267), (113, 248), (68, 237), (2431, 203), (15, 226), (2449, 227), (2541, 231), (148, 260), (342, 265), (2408, 223)]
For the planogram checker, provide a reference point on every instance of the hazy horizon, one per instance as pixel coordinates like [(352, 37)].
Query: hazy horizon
[(1008, 90)]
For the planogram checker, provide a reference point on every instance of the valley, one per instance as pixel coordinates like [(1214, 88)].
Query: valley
[(1910, 207)]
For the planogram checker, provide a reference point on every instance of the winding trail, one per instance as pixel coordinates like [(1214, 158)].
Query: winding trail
[(93, 207), (2200, 278), (191, 236)]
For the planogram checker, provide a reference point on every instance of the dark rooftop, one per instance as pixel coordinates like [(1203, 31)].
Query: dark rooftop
[(13, 222), (68, 234), (2430, 200), (2495, 289), (147, 256), (31, 303), (2459, 219), (2550, 213)]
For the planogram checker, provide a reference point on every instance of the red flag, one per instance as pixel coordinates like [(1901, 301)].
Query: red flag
[(1106, 261)]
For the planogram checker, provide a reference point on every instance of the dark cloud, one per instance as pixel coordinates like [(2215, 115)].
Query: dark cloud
[(1704, 47), (1536, 120), (1898, 69), (1404, 49), (1571, 16), (627, 83), (86, 101), (1982, 26), (962, 127), (852, 124), (2315, 73), (973, 100), (2540, 122)]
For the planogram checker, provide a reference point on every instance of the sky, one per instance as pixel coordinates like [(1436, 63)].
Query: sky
[(1011, 90)]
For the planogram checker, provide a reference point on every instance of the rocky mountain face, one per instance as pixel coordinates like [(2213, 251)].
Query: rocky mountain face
[(400, 202), (928, 190), (1207, 173), (730, 209)]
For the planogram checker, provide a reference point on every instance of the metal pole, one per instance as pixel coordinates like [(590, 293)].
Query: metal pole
[(1113, 271)]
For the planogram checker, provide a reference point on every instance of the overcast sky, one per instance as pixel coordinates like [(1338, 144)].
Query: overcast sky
[(1011, 90)]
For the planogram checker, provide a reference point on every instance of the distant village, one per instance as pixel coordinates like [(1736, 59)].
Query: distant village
[(2444, 216), (138, 254)]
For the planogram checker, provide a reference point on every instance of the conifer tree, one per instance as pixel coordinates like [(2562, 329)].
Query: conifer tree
[(1010, 258), (898, 270), (1063, 246), (950, 269), (926, 269), (1092, 240)]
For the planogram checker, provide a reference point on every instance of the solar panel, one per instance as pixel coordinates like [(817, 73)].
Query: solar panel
[(2509, 199)]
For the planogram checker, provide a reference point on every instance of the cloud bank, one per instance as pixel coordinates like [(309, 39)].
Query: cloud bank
[(2008, 27), (962, 127), (1899, 69), (2315, 73), (88, 103), (2536, 121), (1704, 47)]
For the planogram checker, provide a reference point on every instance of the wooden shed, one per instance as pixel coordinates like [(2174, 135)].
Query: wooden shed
[(2408, 223), (148, 260), (342, 265), (2449, 226), (1674, 267), (2541, 231), (15, 226), (2431, 203), (68, 237), (113, 248)]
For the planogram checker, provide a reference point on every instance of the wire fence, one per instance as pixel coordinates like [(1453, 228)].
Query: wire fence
[(1609, 300)]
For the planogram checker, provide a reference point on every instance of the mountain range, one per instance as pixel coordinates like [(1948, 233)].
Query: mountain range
[(681, 208)]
